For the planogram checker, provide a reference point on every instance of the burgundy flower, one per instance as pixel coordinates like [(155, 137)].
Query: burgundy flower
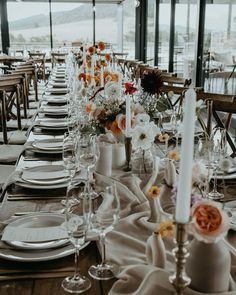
[(129, 88)]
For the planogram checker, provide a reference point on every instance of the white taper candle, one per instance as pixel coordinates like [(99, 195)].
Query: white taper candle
[(185, 180), (128, 117)]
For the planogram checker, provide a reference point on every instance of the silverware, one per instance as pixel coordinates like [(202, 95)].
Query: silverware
[(59, 211), (28, 198)]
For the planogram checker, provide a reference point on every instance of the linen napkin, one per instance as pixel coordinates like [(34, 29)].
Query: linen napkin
[(44, 175), (39, 234)]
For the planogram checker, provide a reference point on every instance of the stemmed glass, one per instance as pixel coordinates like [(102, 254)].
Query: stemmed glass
[(175, 122), (88, 154), (69, 154), (104, 215), (77, 224), (217, 152)]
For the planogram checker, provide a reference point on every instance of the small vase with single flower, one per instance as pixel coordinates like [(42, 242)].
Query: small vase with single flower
[(209, 261)]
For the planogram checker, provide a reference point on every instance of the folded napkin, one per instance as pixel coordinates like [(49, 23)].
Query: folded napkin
[(51, 144), (44, 175), (24, 234)]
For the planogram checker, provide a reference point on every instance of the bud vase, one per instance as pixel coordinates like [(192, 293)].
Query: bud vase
[(155, 210), (155, 251), (208, 266), (142, 162)]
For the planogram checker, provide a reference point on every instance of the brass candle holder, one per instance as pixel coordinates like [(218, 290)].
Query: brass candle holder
[(179, 279), (128, 150)]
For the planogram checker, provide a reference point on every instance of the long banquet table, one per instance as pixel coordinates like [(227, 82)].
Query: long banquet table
[(126, 245)]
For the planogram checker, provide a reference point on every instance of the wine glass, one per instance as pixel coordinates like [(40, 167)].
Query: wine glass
[(77, 224), (88, 154), (69, 154), (217, 152), (104, 215)]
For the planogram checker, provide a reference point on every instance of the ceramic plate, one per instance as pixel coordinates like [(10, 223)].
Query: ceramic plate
[(36, 220), (38, 183), (48, 144)]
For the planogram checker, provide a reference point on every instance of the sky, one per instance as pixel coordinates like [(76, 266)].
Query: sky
[(29, 9)]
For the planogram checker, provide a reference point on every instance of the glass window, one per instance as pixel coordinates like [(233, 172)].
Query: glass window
[(220, 46), (151, 8), (185, 34), (164, 34), (29, 28), (71, 24), (106, 24), (129, 27)]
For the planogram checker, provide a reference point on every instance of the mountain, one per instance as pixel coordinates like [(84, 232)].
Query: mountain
[(83, 12)]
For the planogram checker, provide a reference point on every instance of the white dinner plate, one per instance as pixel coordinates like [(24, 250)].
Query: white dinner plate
[(36, 220), (23, 254), (57, 90), (51, 124), (48, 144), (41, 183)]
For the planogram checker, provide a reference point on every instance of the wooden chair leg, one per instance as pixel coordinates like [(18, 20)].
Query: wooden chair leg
[(18, 106), (4, 117)]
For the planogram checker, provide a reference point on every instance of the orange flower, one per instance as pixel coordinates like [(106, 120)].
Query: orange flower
[(91, 50), (114, 128), (209, 220), (88, 77), (121, 121), (97, 80), (114, 77), (174, 155), (101, 46), (167, 228), (154, 191), (82, 76), (107, 57), (105, 74), (90, 106)]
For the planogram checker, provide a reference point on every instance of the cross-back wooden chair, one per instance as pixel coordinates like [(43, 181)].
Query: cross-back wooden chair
[(23, 88), (38, 59), (10, 90), (220, 107), (58, 58), (32, 75)]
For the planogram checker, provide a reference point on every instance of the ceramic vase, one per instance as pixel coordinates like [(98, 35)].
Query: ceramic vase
[(208, 266), (155, 251)]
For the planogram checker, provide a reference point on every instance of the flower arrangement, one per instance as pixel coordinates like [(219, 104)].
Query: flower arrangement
[(209, 222), (152, 98)]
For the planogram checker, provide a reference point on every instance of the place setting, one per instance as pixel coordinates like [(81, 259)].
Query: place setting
[(35, 237)]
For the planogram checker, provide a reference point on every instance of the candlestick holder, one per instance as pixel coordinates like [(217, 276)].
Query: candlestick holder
[(179, 279), (128, 150)]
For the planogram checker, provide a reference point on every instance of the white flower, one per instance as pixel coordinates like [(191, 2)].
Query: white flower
[(199, 173), (136, 108), (112, 90), (144, 135), (142, 119)]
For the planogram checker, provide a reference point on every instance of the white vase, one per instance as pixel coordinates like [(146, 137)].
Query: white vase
[(208, 266), (118, 155), (155, 251), (155, 210)]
